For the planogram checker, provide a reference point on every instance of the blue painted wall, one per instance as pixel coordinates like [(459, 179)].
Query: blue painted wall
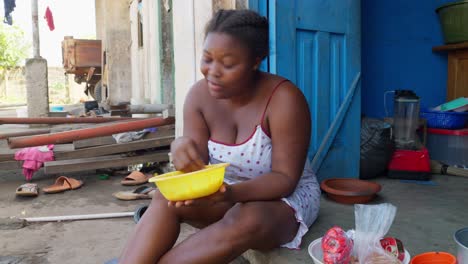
[(397, 41)]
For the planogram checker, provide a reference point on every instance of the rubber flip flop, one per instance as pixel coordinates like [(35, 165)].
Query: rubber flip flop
[(27, 189), (139, 213), (62, 184), (135, 178), (142, 192)]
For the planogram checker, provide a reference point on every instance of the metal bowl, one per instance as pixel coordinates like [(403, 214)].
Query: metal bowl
[(461, 238)]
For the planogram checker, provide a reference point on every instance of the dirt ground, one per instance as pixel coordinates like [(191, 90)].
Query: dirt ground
[(88, 241), (84, 241)]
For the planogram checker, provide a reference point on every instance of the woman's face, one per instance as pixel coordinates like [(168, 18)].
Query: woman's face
[(227, 65)]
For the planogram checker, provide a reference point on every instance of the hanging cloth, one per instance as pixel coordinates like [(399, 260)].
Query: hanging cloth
[(9, 6), (50, 19)]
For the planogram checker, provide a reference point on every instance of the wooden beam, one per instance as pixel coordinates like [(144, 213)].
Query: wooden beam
[(29, 132), (463, 45), (115, 148), (64, 166), (9, 154), (91, 142), (162, 131), (10, 165)]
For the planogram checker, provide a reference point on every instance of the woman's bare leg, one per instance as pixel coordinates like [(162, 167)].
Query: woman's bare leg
[(158, 229), (257, 225)]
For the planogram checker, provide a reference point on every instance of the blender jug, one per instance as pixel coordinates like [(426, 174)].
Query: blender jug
[(406, 119)]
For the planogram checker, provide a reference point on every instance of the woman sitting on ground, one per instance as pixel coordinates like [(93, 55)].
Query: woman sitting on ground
[(260, 124)]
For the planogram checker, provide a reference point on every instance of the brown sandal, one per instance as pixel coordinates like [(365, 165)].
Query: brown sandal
[(62, 184), (135, 178)]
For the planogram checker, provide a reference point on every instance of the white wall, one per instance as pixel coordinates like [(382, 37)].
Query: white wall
[(114, 22), (189, 18), (145, 61)]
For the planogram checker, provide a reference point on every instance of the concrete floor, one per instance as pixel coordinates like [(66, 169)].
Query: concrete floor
[(427, 217)]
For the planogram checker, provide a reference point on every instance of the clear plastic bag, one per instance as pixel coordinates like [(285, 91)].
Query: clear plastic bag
[(372, 224), (337, 246)]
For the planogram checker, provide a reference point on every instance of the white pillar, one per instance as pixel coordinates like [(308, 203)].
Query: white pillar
[(35, 29), (37, 89)]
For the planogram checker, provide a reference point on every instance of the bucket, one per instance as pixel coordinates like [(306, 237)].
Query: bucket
[(56, 108), (461, 238), (434, 258), (453, 18)]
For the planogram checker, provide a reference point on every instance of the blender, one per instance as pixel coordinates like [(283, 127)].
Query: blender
[(406, 119), (410, 161)]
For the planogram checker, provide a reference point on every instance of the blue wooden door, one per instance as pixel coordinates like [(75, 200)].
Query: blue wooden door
[(316, 45)]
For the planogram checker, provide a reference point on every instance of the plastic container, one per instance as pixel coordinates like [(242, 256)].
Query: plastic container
[(434, 258), (179, 186), (56, 108), (448, 146), (444, 120), (458, 105), (315, 252), (461, 238), (453, 18)]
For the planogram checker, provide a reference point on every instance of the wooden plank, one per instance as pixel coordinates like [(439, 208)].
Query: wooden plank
[(91, 142), (29, 132), (335, 126), (10, 165), (115, 148), (58, 148), (9, 154), (162, 131), (463, 45), (64, 166)]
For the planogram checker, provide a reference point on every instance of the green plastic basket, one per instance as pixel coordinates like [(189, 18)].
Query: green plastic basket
[(454, 20)]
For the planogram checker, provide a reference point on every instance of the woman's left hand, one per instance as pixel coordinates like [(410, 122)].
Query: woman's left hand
[(223, 195)]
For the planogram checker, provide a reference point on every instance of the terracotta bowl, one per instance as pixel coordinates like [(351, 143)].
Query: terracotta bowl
[(350, 191)]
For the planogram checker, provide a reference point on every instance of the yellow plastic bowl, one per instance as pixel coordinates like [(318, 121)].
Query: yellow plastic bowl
[(179, 186)]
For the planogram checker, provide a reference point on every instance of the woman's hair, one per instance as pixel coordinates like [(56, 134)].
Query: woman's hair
[(245, 25)]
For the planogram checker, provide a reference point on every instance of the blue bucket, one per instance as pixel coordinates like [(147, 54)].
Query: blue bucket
[(56, 109)]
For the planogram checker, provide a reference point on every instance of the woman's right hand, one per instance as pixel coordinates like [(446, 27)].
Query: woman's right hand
[(185, 156)]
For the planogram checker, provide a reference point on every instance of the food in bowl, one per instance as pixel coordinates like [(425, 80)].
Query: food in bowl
[(316, 253), (180, 186)]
